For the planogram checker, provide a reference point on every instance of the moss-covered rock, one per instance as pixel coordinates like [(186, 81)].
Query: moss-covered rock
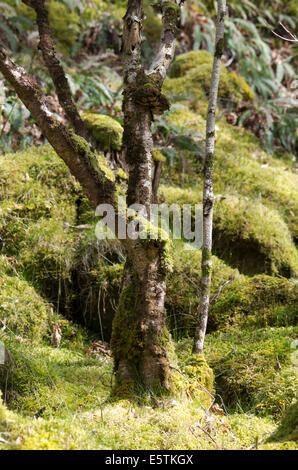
[(241, 167), (106, 130), (191, 75), (253, 368), (259, 301), (288, 428), (247, 235), (253, 238), (183, 288), (190, 60), (22, 310), (40, 207)]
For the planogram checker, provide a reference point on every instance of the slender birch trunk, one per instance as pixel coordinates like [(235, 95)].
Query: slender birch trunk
[(208, 197)]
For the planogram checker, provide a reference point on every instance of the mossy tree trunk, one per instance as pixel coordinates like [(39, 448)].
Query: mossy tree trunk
[(142, 353), (141, 344)]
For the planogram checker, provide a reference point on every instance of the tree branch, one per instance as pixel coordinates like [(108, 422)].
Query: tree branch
[(49, 53), (74, 150), (170, 20)]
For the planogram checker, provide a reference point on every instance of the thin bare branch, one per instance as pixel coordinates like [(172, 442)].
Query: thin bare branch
[(293, 36)]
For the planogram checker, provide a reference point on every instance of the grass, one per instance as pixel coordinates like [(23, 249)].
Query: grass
[(64, 402)]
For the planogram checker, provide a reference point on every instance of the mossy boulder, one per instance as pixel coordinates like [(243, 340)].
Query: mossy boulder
[(41, 206), (191, 74), (241, 167), (288, 428), (253, 238), (247, 235), (22, 310), (183, 288), (253, 368), (190, 60), (259, 301), (106, 130)]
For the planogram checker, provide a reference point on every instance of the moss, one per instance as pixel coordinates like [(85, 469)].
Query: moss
[(247, 234), (241, 167), (288, 428), (191, 75), (122, 174), (253, 238), (65, 24), (201, 376), (253, 368), (40, 207), (185, 62), (106, 130), (171, 13), (22, 310), (152, 24), (259, 301), (96, 160), (158, 156), (183, 288), (127, 346)]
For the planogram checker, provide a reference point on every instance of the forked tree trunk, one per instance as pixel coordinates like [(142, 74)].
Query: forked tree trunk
[(141, 344)]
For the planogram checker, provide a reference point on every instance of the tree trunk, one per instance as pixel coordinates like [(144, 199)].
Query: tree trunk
[(208, 197), (141, 344)]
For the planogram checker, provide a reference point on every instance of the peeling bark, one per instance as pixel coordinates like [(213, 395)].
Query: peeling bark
[(208, 197)]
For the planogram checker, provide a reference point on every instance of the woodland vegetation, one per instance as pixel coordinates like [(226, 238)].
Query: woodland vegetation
[(105, 344)]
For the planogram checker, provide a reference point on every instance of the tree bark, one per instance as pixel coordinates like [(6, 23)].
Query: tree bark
[(143, 355), (141, 343), (208, 197), (49, 53)]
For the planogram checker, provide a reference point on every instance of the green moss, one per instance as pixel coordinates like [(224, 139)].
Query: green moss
[(253, 368), (288, 428), (106, 130), (247, 234), (190, 60), (65, 24), (200, 374), (191, 76), (158, 156), (152, 24), (183, 288), (22, 310), (259, 301), (253, 238)]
